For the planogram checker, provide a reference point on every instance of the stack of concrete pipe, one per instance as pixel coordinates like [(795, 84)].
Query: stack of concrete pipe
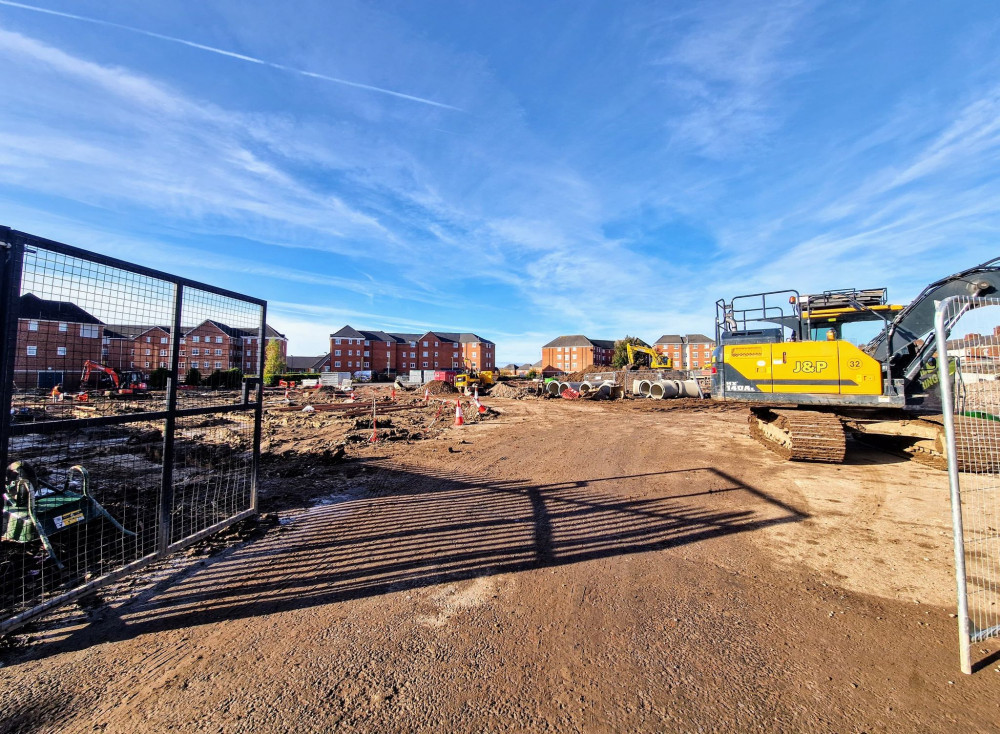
[(596, 389), (558, 388), (661, 389)]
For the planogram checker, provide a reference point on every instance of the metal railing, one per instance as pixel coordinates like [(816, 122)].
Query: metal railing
[(116, 452), (970, 391)]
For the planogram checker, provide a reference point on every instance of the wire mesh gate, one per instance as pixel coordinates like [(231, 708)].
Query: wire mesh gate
[(128, 430), (970, 390)]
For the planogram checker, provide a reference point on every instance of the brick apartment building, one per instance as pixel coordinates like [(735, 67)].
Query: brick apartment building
[(574, 352), (352, 350), (207, 347), (54, 339), (688, 352)]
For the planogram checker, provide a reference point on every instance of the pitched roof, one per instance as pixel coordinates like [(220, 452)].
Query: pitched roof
[(347, 332), (604, 343), (698, 339), (670, 339), (571, 340), (307, 363), (33, 307)]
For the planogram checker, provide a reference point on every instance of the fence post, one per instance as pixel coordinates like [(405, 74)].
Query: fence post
[(258, 413), (169, 427), (11, 261), (948, 410)]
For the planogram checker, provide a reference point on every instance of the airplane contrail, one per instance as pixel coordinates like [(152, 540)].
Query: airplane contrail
[(231, 54)]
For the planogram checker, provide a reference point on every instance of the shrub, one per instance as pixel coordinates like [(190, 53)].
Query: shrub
[(193, 377), (158, 378)]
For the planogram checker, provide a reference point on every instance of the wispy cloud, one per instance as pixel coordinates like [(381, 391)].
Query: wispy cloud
[(230, 54)]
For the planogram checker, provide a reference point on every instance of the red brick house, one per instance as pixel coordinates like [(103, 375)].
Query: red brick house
[(689, 352), (54, 340), (396, 353), (574, 352)]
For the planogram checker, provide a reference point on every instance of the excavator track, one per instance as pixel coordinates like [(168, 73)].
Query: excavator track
[(799, 435)]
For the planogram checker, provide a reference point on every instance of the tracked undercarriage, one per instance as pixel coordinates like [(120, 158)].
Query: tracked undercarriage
[(799, 435), (809, 435)]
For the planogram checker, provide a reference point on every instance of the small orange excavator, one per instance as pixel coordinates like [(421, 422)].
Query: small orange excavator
[(127, 384)]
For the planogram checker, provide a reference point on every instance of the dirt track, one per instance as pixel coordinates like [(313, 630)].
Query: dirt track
[(566, 567)]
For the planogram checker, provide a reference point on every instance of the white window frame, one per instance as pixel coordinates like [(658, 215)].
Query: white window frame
[(61, 351), (32, 350)]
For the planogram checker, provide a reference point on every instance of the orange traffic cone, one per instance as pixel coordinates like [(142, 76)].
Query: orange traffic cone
[(459, 418), (427, 394), (392, 394)]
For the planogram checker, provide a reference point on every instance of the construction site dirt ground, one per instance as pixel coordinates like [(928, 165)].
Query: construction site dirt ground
[(566, 566)]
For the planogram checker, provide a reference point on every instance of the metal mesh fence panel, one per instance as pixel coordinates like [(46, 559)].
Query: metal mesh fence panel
[(970, 381), (115, 452)]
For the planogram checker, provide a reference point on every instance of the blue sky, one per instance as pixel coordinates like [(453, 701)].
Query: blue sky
[(520, 170)]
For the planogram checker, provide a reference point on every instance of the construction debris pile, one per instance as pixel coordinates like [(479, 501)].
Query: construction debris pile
[(511, 392), (440, 387)]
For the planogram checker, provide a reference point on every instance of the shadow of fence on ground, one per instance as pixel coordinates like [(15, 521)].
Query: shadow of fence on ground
[(410, 529)]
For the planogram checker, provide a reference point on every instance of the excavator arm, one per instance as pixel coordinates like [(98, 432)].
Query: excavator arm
[(915, 321), (90, 366)]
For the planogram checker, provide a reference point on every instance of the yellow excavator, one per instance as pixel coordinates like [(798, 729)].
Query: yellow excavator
[(783, 354), (466, 381), (656, 360)]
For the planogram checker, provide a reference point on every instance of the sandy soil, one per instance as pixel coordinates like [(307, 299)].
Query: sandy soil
[(564, 566)]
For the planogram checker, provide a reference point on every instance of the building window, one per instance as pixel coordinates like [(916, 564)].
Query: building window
[(148, 352), (218, 365), (336, 341), (147, 365), (336, 364), (425, 354), (367, 343), (149, 340), (413, 365), (367, 365), (218, 352), (195, 351), (163, 352), (183, 352), (196, 339), (435, 344), (183, 340), (425, 344), (336, 352), (89, 331), (32, 350), (63, 326), (32, 326), (163, 340), (367, 353), (425, 365), (61, 351), (218, 340), (454, 354), (194, 365)]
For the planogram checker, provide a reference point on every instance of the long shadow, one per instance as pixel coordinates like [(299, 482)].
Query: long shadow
[(414, 529)]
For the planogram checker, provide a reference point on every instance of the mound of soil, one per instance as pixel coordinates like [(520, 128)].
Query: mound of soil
[(440, 387), (504, 390)]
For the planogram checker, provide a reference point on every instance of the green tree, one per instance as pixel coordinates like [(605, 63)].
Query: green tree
[(193, 377), (158, 378), (274, 365), (621, 352), (531, 374)]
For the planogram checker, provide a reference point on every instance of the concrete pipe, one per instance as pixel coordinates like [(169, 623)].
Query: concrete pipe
[(689, 389), (597, 389), (552, 388), (635, 387), (586, 388), (663, 389), (563, 386), (644, 386)]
